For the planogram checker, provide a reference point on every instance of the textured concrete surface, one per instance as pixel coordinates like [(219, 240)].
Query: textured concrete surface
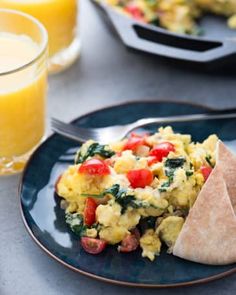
[(105, 74)]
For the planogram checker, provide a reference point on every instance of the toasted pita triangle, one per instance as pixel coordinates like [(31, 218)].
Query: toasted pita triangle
[(209, 233), (227, 162)]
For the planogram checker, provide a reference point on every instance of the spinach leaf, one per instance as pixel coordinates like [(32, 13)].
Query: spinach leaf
[(75, 221), (76, 224), (164, 186), (189, 173), (171, 165), (175, 163), (96, 196), (94, 149), (121, 197), (170, 173), (126, 200)]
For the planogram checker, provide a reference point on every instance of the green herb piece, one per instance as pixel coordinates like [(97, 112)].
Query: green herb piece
[(189, 173), (94, 149), (208, 159), (164, 186), (121, 197), (92, 195), (175, 163), (75, 221), (126, 200), (76, 224), (171, 166), (170, 173)]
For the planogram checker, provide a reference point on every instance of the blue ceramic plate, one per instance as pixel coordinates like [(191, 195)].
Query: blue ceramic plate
[(45, 220)]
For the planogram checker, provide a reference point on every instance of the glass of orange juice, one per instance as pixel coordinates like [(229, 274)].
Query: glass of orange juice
[(60, 19), (23, 87)]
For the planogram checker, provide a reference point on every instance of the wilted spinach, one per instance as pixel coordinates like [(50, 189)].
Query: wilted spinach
[(94, 149), (126, 200), (75, 221), (170, 167), (76, 224), (174, 163)]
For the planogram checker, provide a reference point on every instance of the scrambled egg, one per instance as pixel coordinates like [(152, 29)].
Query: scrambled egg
[(151, 244), (178, 16), (169, 229), (149, 183)]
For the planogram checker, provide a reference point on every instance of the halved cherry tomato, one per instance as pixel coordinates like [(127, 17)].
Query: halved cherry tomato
[(57, 182), (140, 177), (162, 150), (135, 11), (206, 171), (93, 246), (130, 242), (89, 211), (94, 167), (132, 143)]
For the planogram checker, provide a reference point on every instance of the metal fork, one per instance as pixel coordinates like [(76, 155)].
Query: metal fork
[(105, 135)]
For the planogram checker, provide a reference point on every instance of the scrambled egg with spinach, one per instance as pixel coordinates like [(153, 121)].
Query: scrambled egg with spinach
[(179, 16), (136, 192)]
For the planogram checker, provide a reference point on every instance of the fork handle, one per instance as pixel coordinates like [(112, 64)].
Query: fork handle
[(224, 114)]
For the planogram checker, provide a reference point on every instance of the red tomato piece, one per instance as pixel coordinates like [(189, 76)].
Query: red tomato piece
[(140, 177), (133, 143), (162, 150), (93, 246), (135, 140), (130, 242), (206, 171), (89, 211), (135, 12), (94, 167), (152, 160)]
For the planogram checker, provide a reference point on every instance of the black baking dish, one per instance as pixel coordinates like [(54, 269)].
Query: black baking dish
[(216, 47)]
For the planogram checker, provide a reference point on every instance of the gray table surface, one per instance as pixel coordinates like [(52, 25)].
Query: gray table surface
[(107, 73)]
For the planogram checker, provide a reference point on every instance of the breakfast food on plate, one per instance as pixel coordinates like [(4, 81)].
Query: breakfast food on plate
[(135, 192), (178, 16)]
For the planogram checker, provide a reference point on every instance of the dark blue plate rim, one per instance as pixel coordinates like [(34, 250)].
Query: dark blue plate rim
[(100, 278)]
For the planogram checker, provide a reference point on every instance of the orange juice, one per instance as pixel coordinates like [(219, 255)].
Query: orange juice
[(22, 96), (58, 16)]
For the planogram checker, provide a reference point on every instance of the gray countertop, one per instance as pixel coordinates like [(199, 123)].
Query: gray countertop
[(107, 73)]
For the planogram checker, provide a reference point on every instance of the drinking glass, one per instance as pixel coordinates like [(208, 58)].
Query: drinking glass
[(23, 88), (60, 18)]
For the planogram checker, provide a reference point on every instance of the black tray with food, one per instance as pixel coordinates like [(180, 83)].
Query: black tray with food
[(216, 46)]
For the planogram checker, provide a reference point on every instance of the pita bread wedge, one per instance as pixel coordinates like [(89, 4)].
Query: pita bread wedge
[(209, 233), (227, 162)]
